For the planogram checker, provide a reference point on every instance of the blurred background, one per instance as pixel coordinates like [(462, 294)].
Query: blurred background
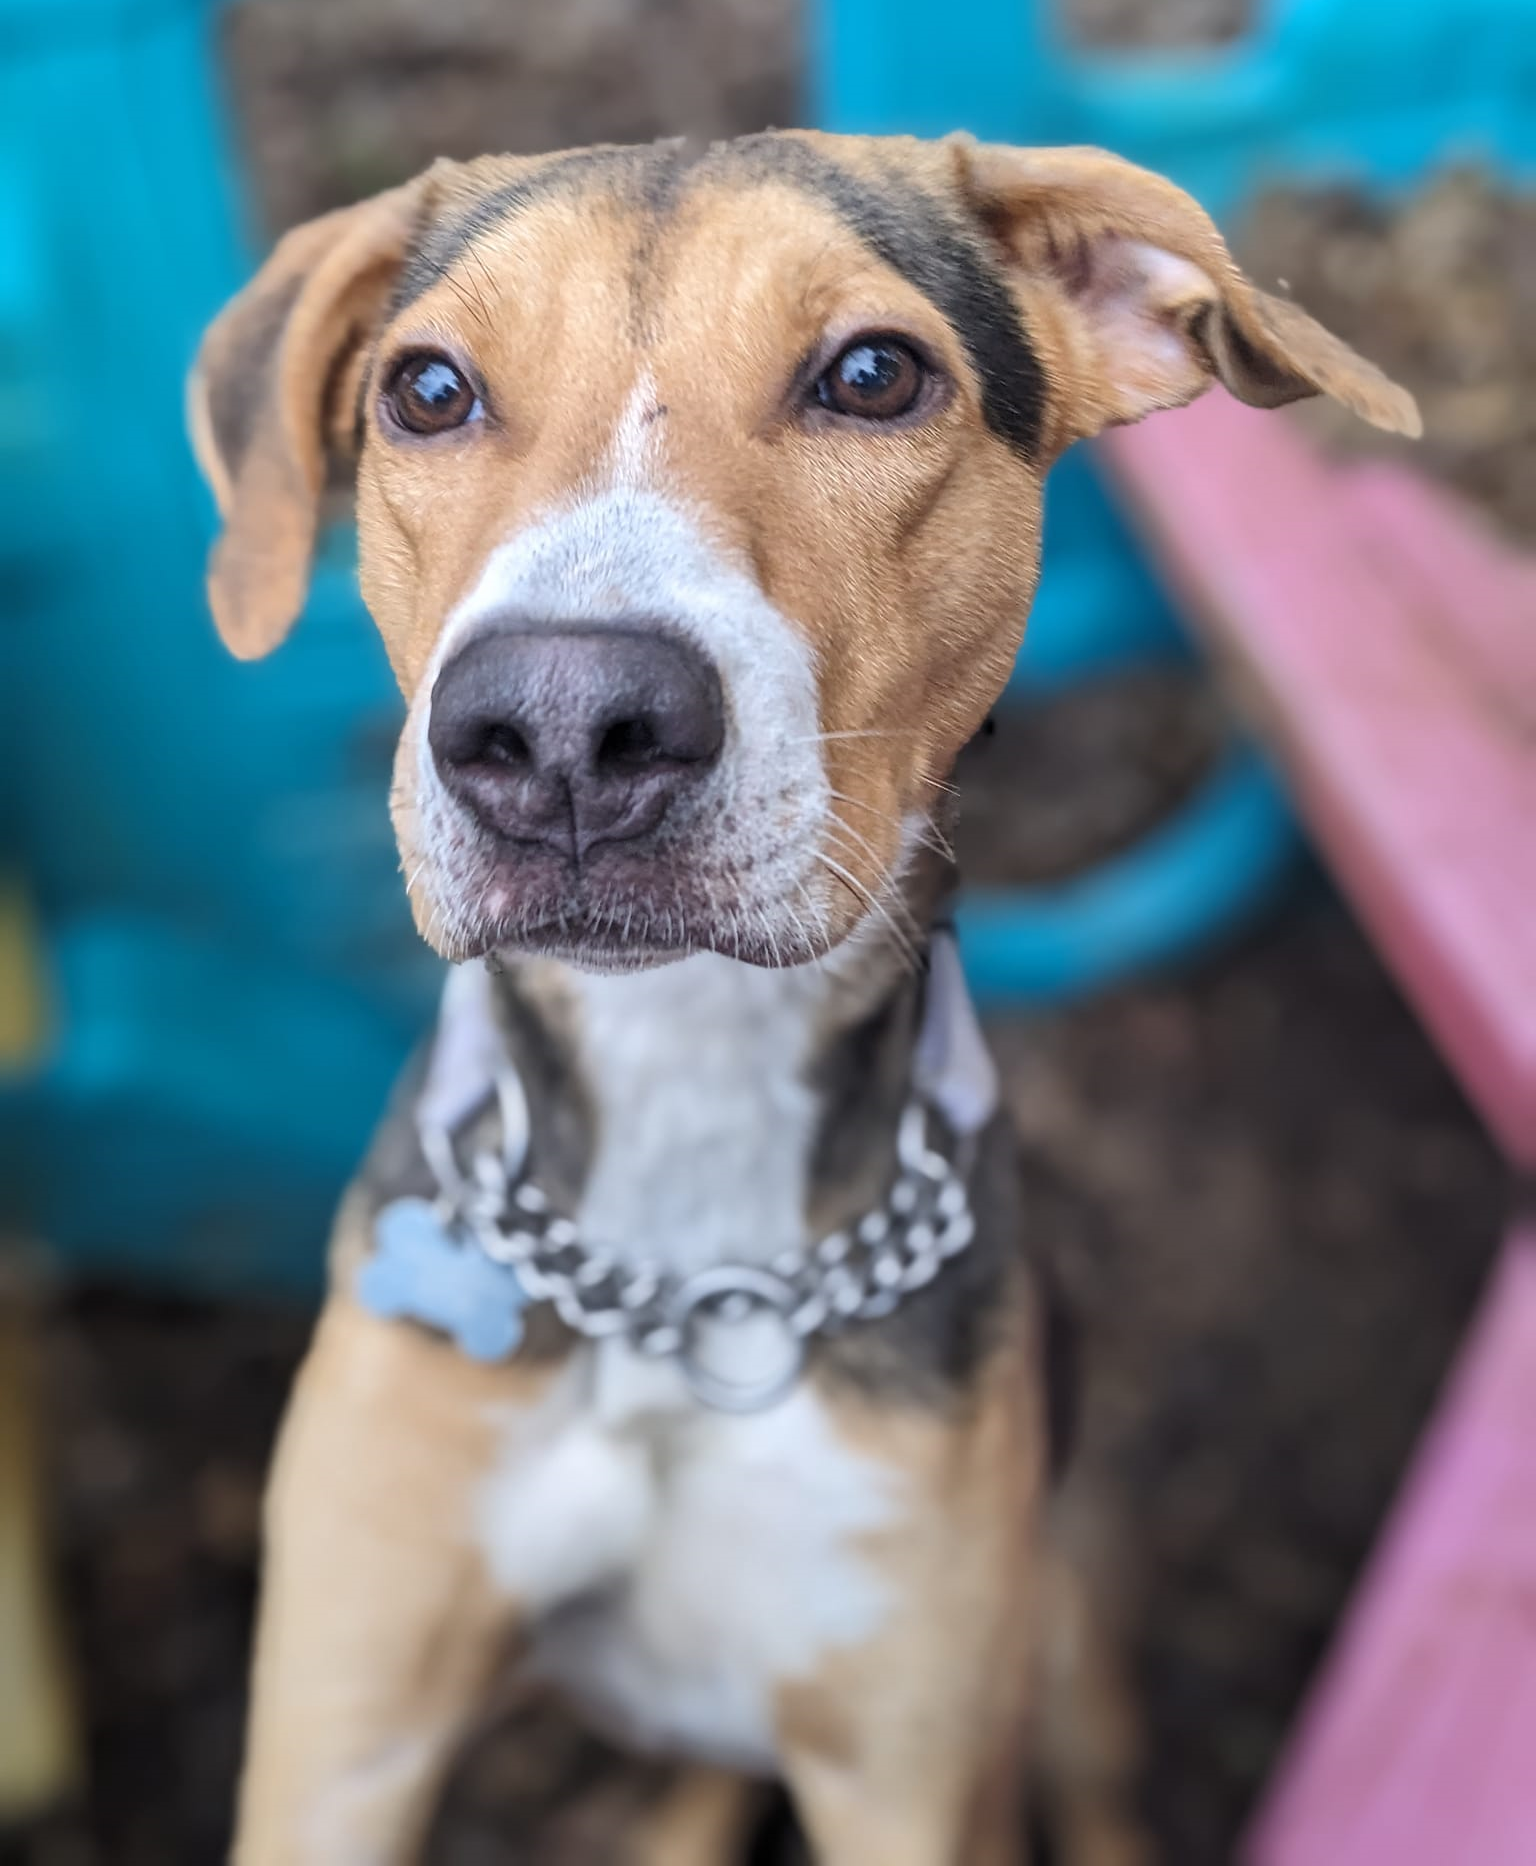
[(1265, 1194)]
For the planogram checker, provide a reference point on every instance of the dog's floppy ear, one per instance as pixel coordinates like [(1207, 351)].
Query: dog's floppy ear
[(271, 404), (1157, 307)]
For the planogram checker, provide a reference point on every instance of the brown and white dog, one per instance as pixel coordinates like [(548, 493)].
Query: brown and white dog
[(699, 500)]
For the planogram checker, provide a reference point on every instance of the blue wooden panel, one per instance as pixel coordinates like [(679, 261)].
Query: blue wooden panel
[(199, 837), (1373, 91)]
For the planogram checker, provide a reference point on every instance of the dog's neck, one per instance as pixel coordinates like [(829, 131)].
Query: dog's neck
[(711, 1110)]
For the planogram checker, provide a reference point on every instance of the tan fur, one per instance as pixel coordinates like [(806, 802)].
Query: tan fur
[(704, 1819), (695, 1815), (906, 559), (380, 1634), (872, 1745), (1088, 1756)]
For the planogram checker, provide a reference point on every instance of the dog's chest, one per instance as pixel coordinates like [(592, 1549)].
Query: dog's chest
[(679, 1566)]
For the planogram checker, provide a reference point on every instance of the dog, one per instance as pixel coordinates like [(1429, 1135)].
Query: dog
[(684, 1345)]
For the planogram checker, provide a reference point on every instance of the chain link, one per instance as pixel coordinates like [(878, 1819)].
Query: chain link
[(857, 1274)]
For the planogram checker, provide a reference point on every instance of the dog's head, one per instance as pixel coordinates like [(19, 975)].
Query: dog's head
[(699, 497)]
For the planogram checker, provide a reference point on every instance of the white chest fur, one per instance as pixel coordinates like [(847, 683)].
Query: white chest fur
[(704, 1118), (680, 1565)]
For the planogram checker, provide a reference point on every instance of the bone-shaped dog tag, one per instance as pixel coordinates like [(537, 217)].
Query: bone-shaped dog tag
[(422, 1271)]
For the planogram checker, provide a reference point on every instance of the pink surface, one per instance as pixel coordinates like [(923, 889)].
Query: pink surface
[(1386, 648), (1419, 1748)]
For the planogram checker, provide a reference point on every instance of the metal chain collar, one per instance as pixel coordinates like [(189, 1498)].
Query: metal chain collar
[(857, 1274)]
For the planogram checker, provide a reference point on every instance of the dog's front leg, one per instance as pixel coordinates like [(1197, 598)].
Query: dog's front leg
[(910, 1747), (380, 1629)]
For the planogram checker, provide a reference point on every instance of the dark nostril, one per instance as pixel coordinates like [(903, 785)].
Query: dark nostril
[(628, 745), (503, 744)]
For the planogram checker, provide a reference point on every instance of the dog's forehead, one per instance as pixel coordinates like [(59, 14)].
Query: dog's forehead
[(848, 206)]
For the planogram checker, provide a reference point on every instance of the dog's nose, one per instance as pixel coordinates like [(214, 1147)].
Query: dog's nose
[(574, 737)]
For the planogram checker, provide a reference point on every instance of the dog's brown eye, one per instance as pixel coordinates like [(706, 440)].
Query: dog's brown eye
[(429, 395), (875, 378)]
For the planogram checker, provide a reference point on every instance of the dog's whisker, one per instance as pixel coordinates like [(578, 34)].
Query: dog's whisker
[(859, 803), (840, 829), (875, 906), (889, 893), (873, 732), (930, 833), (932, 837), (808, 934), (938, 784), (836, 826)]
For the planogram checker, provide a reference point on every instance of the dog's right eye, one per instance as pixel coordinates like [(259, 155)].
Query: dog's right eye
[(429, 394)]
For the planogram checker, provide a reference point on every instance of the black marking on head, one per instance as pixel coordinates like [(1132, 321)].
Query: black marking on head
[(660, 188), (661, 177), (445, 242), (239, 389), (932, 249)]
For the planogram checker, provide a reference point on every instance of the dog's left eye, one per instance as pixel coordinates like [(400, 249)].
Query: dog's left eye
[(874, 379), (428, 394)]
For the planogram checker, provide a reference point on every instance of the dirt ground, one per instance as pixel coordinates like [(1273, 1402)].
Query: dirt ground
[(1268, 1203), (334, 101)]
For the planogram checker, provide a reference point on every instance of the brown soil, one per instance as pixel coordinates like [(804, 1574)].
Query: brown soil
[(1133, 25), (339, 99), (1076, 777)]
